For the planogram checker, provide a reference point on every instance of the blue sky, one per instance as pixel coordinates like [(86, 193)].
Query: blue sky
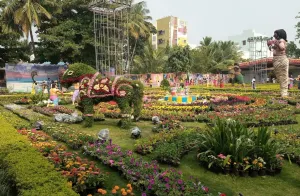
[(222, 18)]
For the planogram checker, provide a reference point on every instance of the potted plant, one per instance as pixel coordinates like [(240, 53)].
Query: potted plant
[(244, 172), (235, 168), (254, 168), (261, 167)]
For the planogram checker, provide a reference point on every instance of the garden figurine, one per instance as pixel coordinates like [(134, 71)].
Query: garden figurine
[(280, 60), (95, 88), (238, 77), (136, 133), (75, 93), (53, 94)]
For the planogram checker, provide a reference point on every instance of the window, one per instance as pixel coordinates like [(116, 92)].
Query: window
[(161, 41), (244, 43), (161, 32)]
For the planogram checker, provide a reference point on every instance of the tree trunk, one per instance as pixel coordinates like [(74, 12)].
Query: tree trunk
[(133, 51), (32, 41)]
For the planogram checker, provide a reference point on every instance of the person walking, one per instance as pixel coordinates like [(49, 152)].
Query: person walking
[(291, 85), (253, 83), (280, 60)]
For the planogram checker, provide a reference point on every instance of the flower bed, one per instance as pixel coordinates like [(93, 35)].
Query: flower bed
[(82, 174), (147, 175), (32, 174), (172, 151)]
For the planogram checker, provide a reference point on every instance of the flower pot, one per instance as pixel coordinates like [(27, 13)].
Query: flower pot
[(244, 173), (262, 172), (226, 171), (235, 172), (271, 172), (254, 173), (278, 170)]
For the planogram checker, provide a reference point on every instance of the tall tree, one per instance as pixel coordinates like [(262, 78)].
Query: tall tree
[(27, 13), (180, 60), (139, 25), (69, 35), (12, 49), (292, 50), (151, 61), (214, 56), (298, 28)]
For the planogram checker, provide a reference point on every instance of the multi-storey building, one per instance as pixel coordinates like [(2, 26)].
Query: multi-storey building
[(252, 44), (170, 30)]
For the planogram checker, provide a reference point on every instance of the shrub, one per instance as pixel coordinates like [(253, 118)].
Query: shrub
[(230, 144), (31, 172), (165, 84)]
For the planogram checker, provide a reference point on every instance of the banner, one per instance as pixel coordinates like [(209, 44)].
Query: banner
[(18, 76)]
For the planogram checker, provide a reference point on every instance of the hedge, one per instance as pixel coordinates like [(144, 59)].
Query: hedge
[(32, 173)]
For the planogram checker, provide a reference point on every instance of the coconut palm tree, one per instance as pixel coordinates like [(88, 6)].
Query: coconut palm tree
[(25, 14), (152, 61), (138, 25)]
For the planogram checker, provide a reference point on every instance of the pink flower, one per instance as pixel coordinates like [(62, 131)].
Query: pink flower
[(222, 156), (205, 189), (111, 162)]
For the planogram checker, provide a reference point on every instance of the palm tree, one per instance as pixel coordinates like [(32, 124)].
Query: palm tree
[(138, 25), (152, 61), (26, 13)]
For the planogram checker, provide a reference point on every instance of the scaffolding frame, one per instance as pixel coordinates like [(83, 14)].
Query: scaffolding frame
[(259, 53), (111, 33)]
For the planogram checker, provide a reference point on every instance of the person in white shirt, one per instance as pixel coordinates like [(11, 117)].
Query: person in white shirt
[(253, 83)]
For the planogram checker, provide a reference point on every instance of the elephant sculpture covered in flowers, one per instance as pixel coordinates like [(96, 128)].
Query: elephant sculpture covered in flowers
[(95, 88)]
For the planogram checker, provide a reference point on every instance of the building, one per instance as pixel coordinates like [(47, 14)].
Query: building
[(252, 44), (248, 68), (170, 30)]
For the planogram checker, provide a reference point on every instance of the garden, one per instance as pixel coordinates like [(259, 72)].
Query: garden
[(233, 142)]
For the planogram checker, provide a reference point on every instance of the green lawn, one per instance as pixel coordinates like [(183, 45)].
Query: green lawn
[(287, 183)]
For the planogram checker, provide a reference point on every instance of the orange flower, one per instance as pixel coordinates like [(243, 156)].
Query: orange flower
[(99, 190), (129, 191), (129, 185), (104, 192), (114, 191), (117, 187), (124, 193), (89, 195), (122, 190)]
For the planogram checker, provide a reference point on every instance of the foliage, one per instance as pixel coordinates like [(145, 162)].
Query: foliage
[(140, 29), (5, 184), (38, 97), (87, 111), (172, 151), (180, 60), (25, 14), (292, 50), (151, 60), (33, 174), (231, 138), (69, 34), (214, 56), (165, 84)]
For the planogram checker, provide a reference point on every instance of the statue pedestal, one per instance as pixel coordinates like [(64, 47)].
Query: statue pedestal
[(181, 99)]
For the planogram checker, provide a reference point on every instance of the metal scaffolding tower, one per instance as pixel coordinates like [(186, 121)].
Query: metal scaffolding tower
[(258, 53), (111, 35)]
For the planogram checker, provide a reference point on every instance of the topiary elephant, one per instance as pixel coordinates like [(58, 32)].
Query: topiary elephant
[(95, 88)]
